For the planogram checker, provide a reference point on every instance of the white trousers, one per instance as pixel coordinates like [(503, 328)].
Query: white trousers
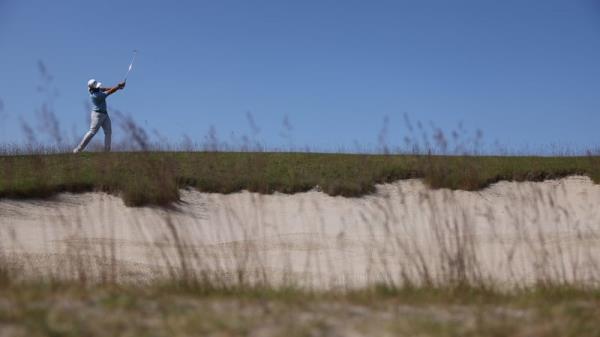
[(98, 120)]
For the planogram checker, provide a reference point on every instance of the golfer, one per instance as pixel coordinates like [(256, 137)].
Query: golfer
[(99, 114)]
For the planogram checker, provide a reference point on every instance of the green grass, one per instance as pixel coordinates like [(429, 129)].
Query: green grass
[(73, 310), (142, 178)]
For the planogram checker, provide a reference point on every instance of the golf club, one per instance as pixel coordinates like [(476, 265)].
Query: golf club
[(130, 65)]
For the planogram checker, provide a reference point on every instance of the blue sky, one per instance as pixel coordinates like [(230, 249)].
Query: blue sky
[(526, 73)]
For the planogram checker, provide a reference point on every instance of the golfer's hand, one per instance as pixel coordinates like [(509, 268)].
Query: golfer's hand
[(121, 85)]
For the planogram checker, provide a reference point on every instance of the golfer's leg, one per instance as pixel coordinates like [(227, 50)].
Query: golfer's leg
[(94, 126), (107, 127)]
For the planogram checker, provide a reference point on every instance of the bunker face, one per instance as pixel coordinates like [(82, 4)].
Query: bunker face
[(509, 234)]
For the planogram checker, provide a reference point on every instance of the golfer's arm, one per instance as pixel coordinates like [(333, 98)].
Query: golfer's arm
[(110, 91)]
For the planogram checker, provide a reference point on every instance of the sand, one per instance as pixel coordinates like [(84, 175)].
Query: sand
[(508, 234)]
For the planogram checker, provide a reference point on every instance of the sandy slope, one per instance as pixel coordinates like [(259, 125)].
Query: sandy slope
[(508, 233)]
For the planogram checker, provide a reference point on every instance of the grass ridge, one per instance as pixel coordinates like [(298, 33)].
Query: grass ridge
[(154, 178)]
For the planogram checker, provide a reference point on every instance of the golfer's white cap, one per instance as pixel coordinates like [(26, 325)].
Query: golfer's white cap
[(94, 84)]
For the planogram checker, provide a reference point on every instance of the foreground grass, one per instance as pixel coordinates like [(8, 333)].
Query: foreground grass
[(74, 310), (154, 177)]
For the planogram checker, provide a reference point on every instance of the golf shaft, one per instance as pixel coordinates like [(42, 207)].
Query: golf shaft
[(130, 66)]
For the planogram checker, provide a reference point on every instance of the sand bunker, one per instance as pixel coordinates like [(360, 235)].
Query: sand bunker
[(510, 233)]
